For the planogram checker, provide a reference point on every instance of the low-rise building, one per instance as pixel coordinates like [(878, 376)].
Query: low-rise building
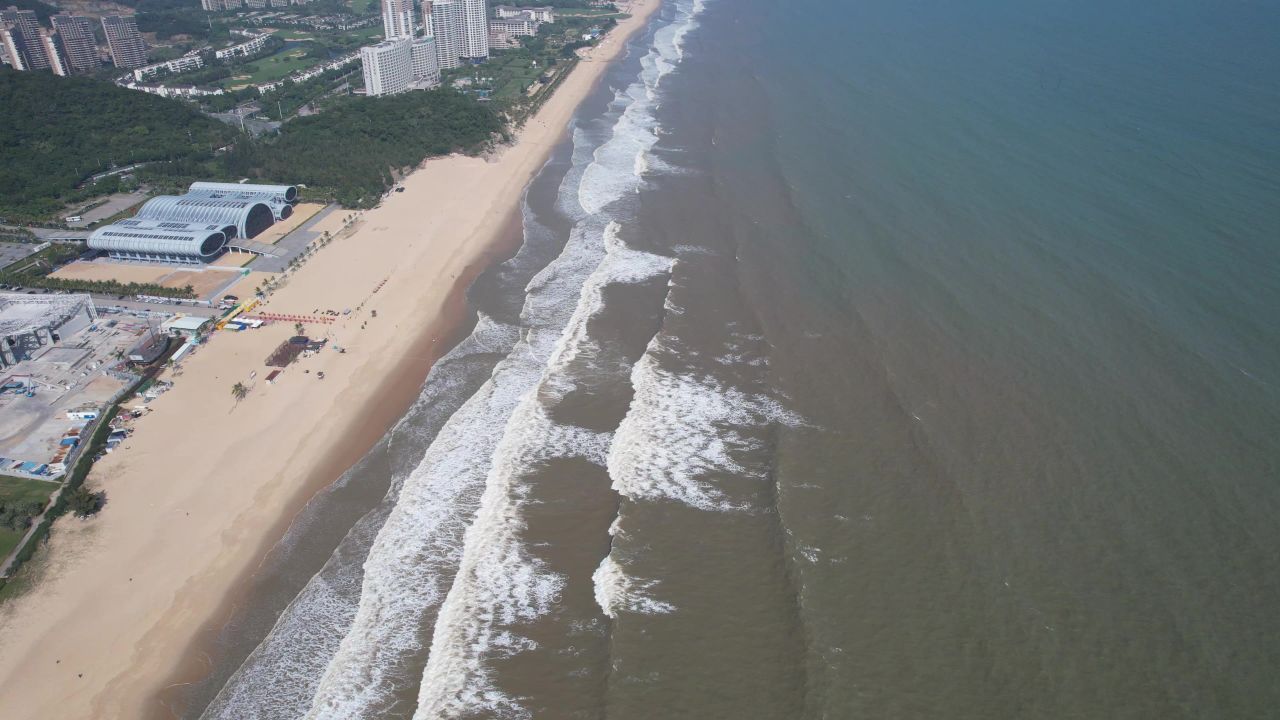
[(541, 14), (177, 91), (172, 67), (244, 49), (187, 326), (516, 25), (313, 72)]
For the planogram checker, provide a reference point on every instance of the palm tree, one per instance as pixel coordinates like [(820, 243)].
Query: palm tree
[(239, 391), (298, 328)]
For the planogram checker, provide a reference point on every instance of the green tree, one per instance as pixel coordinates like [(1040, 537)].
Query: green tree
[(239, 391), (84, 503)]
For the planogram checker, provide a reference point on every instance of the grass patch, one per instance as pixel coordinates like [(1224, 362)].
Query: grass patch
[(275, 67), (290, 34), (365, 34), (361, 7), (20, 490)]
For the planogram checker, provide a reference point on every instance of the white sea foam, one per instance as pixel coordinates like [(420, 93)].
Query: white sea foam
[(682, 429), (409, 566), (618, 592), (280, 677), (498, 583), (454, 510), (621, 264), (636, 131)]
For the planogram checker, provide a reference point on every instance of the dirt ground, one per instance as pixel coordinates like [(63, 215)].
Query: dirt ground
[(207, 280), (301, 213)]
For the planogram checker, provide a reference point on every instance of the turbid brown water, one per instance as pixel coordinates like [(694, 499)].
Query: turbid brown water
[(915, 361)]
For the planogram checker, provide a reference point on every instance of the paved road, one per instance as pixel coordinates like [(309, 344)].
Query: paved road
[(292, 244), (11, 252), (101, 301), (114, 204)]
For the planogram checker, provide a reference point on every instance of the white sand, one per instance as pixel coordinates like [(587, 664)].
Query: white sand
[(203, 489)]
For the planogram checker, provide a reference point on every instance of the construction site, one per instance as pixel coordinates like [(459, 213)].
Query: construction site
[(62, 365)]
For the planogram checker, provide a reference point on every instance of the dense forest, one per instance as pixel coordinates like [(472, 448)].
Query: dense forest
[(347, 153), (60, 131), (43, 10)]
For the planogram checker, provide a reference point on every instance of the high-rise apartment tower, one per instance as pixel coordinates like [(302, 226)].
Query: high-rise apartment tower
[(78, 44), (124, 40)]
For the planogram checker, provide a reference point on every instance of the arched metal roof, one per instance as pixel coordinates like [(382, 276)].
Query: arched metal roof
[(289, 193), (198, 241), (248, 213)]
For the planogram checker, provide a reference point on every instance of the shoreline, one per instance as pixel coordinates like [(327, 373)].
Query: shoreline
[(383, 409), (125, 602)]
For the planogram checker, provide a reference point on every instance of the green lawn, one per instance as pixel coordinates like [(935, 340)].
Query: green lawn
[(365, 34), (291, 34), (20, 490), (360, 7), (273, 67)]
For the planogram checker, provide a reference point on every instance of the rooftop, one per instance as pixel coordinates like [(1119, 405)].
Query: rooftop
[(185, 322)]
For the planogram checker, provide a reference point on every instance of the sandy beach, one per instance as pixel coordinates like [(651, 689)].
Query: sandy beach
[(207, 485)]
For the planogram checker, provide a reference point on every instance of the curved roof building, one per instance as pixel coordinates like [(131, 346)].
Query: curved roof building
[(289, 193), (248, 213), (279, 197), (136, 239)]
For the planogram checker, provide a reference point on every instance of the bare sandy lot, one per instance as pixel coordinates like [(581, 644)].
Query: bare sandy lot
[(302, 212), (205, 280)]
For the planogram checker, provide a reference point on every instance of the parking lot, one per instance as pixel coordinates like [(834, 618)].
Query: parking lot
[(11, 252)]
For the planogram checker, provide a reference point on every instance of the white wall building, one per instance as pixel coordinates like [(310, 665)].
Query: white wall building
[(388, 67), (426, 73), (397, 19), (476, 30), (56, 64), (515, 25), (177, 65), (244, 49), (316, 71), (186, 91), (448, 24), (541, 14)]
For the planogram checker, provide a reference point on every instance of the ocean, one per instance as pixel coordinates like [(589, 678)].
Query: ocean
[(883, 359)]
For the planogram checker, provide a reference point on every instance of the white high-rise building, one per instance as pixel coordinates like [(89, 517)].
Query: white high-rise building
[(11, 42), (397, 19), (426, 73), (476, 35), (388, 67), (51, 54), (449, 27)]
